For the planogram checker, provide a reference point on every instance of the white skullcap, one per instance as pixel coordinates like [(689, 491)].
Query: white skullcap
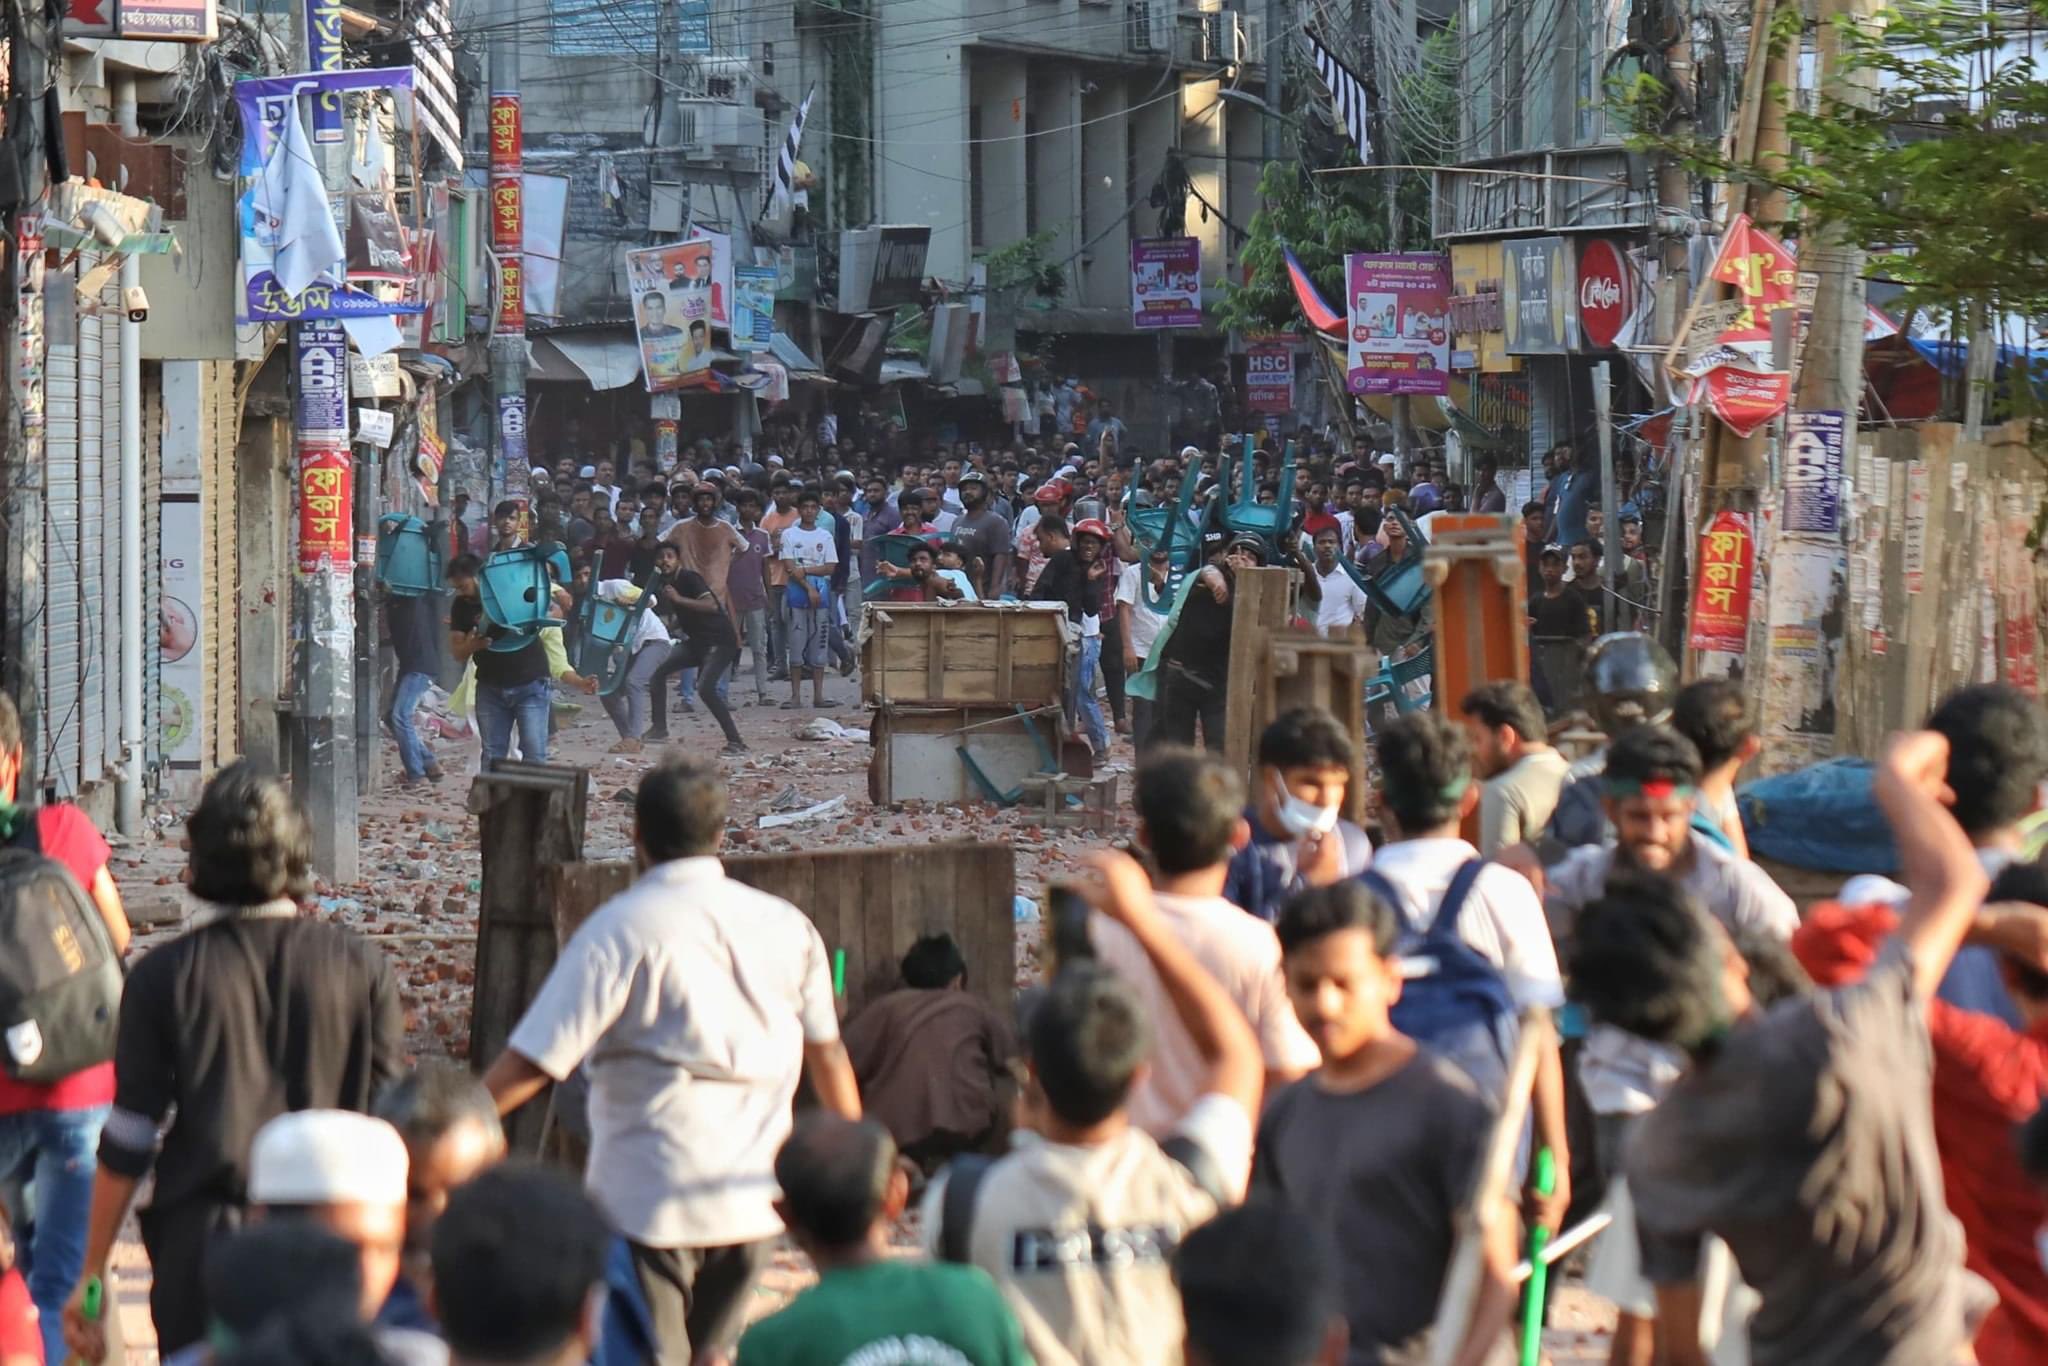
[(1188, 452), (775, 460), (587, 472), (327, 1157)]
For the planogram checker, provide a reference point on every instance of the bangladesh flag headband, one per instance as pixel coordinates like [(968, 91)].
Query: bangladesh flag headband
[(1655, 789)]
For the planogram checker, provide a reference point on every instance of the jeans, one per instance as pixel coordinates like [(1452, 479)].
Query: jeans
[(405, 699), (754, 634), (1113, 665), (57, 1150), (712, 676), (627, 705), (1081, 696), (499, 709)]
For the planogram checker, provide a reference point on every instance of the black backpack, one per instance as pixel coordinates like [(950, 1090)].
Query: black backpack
[(60, 979)]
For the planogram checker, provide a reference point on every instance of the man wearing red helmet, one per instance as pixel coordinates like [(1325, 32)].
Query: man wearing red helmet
[(1078, 578), (1051, 497)]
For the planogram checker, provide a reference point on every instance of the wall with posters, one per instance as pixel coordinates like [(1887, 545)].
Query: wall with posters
[(1478, 324)]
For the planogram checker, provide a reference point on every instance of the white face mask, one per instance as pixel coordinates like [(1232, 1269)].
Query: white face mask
[(1298, 818)]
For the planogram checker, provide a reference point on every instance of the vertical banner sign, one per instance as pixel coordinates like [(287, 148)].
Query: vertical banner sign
[(753, 307), (1813, 474), (323, 47), (320, 364), (1398, 324), (1269, 379), (1166, 282), (508, 216), (181, 668), (1720, 604), (674, 300), (512, 431)]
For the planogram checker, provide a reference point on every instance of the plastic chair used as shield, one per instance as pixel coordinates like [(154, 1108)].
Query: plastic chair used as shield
[(409, 556), (1165, 528), (1246, 515), (894, 549), (604, 639), (516, 587)]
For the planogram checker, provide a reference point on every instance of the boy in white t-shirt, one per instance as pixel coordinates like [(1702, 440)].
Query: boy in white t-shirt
[(808, 556)]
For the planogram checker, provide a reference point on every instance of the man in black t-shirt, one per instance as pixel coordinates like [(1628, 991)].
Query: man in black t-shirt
[(511, 685), (1195, 668), (705, 641)]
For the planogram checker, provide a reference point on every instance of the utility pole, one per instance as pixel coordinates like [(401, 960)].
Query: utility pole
[(21, 630), (1272, 132), (508, 228), (323, 664), (1831, 370)]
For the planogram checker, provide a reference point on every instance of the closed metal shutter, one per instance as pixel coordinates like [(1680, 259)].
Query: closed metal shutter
[(221, 511), (62, 638)]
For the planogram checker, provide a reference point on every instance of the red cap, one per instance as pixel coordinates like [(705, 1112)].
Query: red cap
[(1051, 491), (1092, 527)]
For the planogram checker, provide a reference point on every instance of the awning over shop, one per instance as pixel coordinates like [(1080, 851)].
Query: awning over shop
[(900, 371), (793, 358), (603, 358)]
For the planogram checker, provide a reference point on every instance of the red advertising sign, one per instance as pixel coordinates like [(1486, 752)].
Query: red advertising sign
[(505, 134), (325, 520), (508, 215), (511, 294), (1744, 399), (1720, 602), (1606, 296), (1765, 276), (1269, 379)]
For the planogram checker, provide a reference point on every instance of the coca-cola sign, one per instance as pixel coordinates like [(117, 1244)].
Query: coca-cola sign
[(1604, 298)]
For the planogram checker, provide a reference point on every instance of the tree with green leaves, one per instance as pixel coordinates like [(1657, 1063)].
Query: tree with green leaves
[(1324, 218)]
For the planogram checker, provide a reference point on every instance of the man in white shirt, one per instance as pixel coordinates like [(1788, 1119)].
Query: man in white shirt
[(1079, 1227), (1339, 600), (696, 1003), (1426, 791), (1190, 822), (629, 705), (1140, 624)]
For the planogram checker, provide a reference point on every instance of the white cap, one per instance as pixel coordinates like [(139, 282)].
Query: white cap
[(327, 1157), (1390, 460), (587, 472), (775, 460), (539, 471), (1191, 452)]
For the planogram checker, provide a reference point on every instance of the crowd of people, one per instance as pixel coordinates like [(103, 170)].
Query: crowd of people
[(1243, 1118), (770, 559)]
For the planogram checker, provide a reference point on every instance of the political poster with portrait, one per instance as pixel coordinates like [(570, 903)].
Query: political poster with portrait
[(720, 278), (1398, 323), (753, 292), (675, 300)]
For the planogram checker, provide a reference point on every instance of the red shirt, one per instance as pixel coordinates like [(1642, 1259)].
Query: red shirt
[(68, 836), (19, 1335), (1318, 522), (1987, 1078)]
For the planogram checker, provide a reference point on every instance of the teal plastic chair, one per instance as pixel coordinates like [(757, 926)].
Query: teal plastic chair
[(894, 549), (409, 556), (1413, 680), (516, 587), (1168, 528), (604, 637), (1246, 515)]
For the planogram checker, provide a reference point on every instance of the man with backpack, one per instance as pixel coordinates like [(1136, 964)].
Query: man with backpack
[(50, 1125), (1079, 1228), (1478, 925), (1379, 1148)]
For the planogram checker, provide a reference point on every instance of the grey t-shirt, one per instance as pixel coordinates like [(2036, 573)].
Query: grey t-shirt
[(1515, 806), (1384, 1171), (1807, 1145)]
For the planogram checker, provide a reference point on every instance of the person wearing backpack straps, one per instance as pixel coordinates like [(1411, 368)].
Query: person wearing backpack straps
[(1079, 1228), (1481, 948), (50, 1126)]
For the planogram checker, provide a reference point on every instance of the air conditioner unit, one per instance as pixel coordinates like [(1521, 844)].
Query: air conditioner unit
[(1150, 25), (1250, 37)]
